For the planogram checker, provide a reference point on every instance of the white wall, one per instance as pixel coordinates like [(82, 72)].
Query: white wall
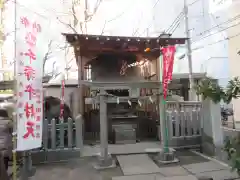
[(234, 58)]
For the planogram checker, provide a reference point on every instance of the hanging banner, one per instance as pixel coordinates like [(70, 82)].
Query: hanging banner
[(29, 84), (168, 61)]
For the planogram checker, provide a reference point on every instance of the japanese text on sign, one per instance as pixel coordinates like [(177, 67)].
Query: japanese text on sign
[(30, 105)]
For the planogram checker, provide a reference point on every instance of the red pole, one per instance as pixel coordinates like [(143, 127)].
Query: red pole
[(62, 98)]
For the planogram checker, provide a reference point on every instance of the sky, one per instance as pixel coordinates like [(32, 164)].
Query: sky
[(202, 17), (127, 18), (116, 15)]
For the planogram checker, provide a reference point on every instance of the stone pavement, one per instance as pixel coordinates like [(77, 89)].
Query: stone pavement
[(137, 164), (155, 177), (79, 169), (190, 167), (116, 149)]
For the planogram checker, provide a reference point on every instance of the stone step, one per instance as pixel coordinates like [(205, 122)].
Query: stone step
[(137, 164), (154, 177)]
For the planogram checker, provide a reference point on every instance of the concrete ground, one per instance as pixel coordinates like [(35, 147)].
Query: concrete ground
[(190, 167)]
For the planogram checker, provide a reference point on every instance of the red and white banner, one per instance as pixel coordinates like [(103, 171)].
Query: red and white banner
[(29, 84), (168, 60)]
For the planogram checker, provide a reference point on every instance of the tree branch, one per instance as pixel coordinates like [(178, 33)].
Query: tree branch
[(209, 88), (104, 25), (96, 7), (46, 56), (137, 29), (68, 25), (75, 19)]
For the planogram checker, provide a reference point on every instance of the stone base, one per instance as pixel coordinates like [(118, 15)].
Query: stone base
[(166, 157), (105, 163), (32, 172), (24, 174), (205, 178)]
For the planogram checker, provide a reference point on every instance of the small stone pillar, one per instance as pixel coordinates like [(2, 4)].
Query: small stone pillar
[(105, 159), (79, 131), (212, 132), (103, 126)]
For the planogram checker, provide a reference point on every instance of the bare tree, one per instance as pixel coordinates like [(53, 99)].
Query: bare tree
[(47, 55), (78, 24)]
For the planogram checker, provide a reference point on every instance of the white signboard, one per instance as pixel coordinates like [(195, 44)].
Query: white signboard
[(30, 90), (218, 5)]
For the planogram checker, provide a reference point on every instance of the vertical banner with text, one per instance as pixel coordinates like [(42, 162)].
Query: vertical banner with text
[(29, 84), (168, 60)]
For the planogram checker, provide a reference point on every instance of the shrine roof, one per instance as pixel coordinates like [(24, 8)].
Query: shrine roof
[(99, 43)]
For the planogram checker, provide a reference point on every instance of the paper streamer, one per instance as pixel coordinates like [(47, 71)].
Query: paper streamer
[(129, 102), (150, 99), (139, 102)]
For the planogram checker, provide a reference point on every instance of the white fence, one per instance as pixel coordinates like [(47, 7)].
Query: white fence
[(61, 140), (184, 123)]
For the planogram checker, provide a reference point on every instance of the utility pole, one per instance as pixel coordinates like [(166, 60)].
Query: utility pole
[(189, 53)]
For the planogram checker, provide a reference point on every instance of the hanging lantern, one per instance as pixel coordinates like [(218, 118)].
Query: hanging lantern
[(147, 50)]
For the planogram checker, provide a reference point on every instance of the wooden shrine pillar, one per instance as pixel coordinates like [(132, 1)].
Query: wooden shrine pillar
[(81, 101), (80, 105)]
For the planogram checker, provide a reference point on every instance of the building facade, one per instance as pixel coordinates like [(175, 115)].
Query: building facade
[(234, 48)]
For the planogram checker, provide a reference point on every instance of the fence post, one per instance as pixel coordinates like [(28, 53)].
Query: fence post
[(182, 120), (45, 134), (61, 126), (79, 131), (53, 134), (70, 133)]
